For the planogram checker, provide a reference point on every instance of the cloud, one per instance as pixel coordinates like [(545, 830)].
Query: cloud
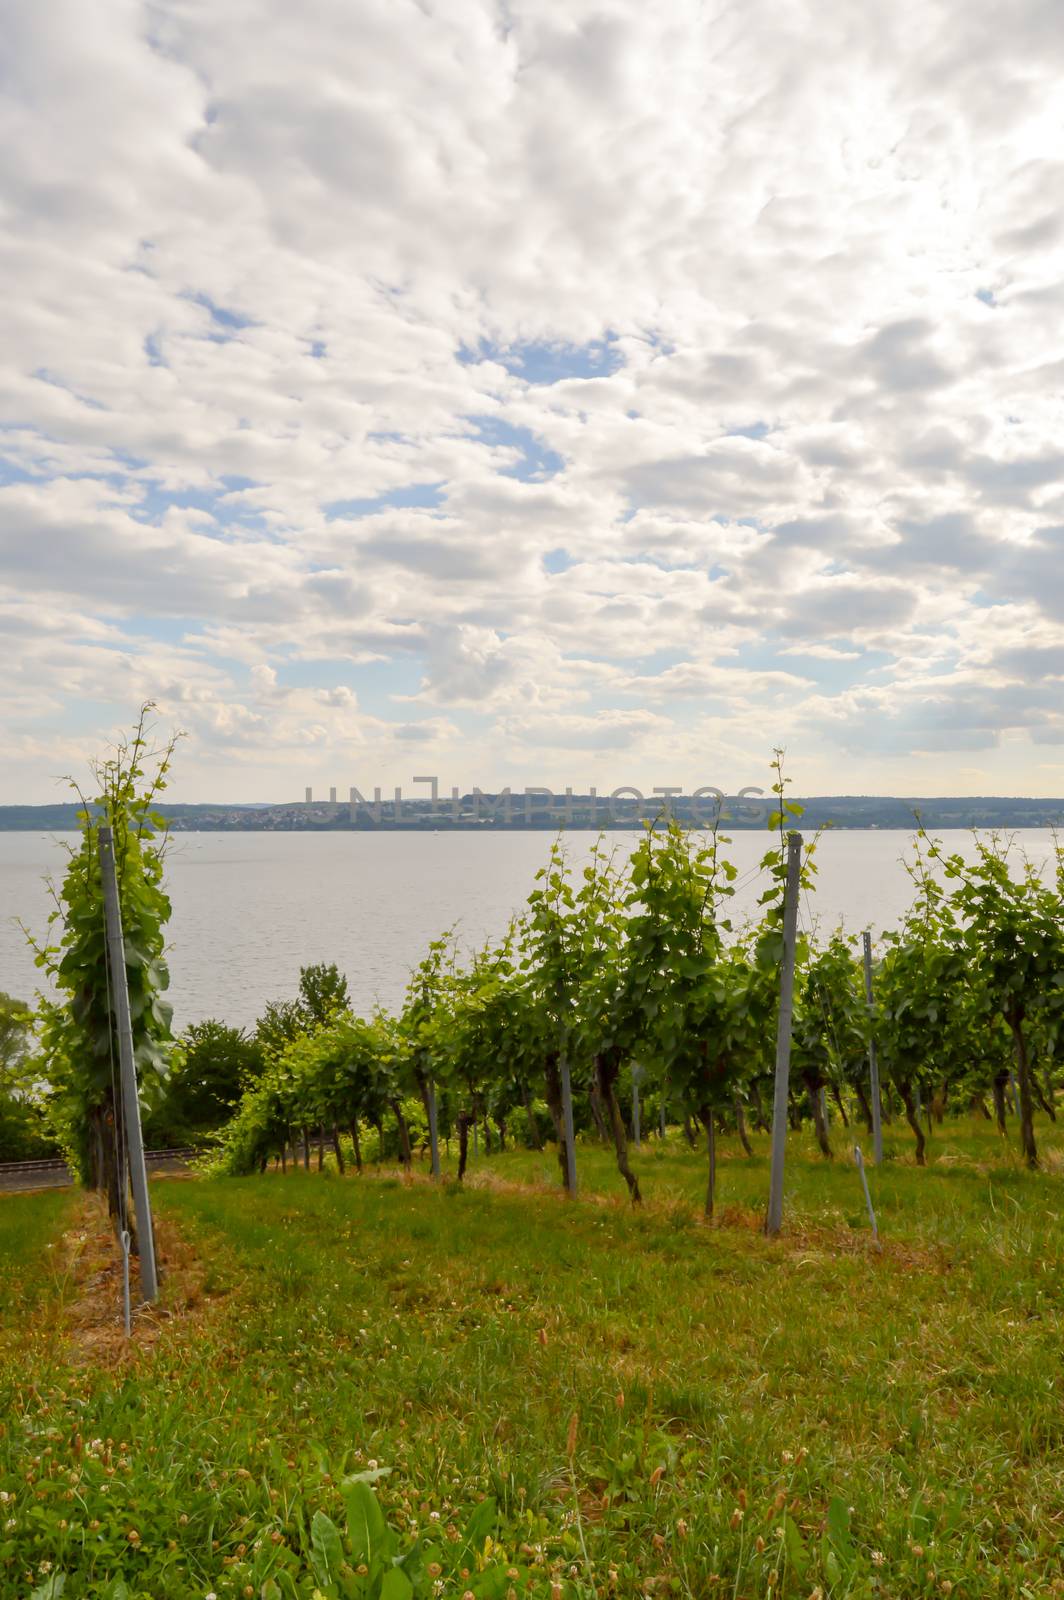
[(516, 381), (901, 357)]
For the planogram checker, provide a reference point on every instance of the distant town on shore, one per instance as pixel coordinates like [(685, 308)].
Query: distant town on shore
[(501, 812)]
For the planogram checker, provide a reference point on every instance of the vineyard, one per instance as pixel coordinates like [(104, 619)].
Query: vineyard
[(521, 1331), (624, 999)]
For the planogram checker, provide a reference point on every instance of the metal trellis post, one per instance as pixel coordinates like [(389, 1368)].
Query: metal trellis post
[(567, 1121), (138, 1172), (873, 1059), (774, 1217), (434, 1138), (864, 1184)]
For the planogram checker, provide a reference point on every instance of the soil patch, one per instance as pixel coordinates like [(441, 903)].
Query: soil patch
[(92, 1315)]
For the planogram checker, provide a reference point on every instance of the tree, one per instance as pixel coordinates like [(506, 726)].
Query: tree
[(918, 986), (77, 1030), (16, 1034), (561, 946), (280, 1023), (23, 1129), (213, 1065), (1014, 940), (419, 1024), (688, 989), (489, 1038), (830, 1029), (323, 997), (322, 993), (654, 996)]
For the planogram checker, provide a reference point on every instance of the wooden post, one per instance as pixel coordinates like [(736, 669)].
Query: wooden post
[(138, 1173), (873, 1059), (567, 1122), (774, 1216)]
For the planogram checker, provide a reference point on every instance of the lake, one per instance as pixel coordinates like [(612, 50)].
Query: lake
[(249, 909)]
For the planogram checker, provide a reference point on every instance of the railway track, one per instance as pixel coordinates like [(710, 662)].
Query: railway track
[(20, 1176)]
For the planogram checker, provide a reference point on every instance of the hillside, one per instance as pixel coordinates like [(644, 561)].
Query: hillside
[(472, 812)]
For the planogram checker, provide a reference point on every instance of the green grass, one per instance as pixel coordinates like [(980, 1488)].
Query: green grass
[(30, 1229), (881, 1424)]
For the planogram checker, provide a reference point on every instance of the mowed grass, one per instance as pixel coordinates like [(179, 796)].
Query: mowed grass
[(753, 1418)]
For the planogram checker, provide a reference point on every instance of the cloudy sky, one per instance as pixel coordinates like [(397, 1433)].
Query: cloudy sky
[(534, 391)]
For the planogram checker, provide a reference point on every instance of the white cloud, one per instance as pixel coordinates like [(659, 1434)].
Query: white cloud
[(521, 382)]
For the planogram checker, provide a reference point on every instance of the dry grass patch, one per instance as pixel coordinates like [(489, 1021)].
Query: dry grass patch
[(91, 1319)]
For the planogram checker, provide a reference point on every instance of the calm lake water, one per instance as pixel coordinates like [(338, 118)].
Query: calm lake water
[(249, 909)]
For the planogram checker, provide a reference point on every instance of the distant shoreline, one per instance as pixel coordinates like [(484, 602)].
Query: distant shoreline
[(578, 813)]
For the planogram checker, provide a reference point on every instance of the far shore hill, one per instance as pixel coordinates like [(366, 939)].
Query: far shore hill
[(503, 812)]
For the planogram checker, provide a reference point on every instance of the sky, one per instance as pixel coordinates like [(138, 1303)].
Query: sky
[(556, 392)]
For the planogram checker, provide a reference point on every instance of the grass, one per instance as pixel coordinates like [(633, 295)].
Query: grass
[(31, 1274), (753, 1418)]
